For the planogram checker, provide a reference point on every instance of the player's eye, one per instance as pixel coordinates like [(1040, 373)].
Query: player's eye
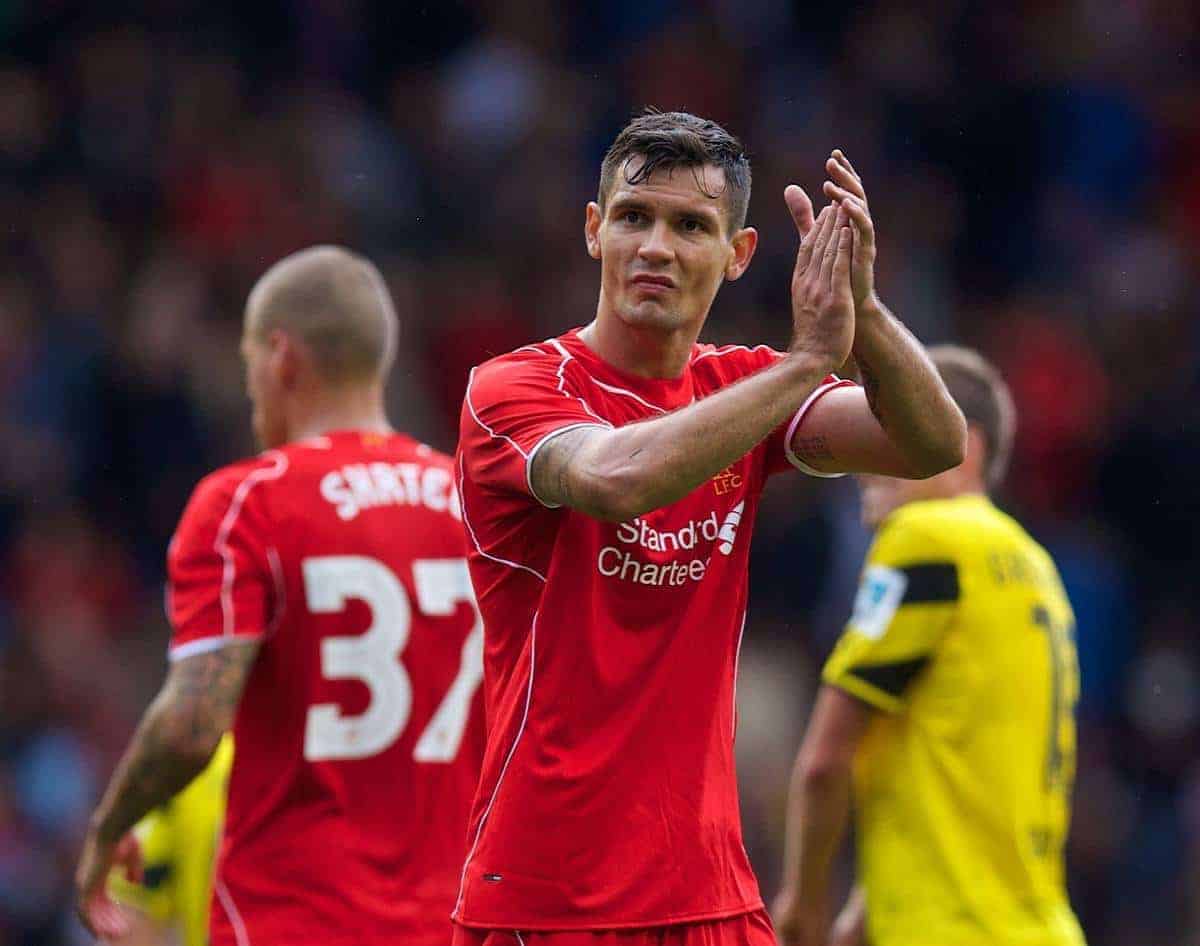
[(632, 217), (693, 225)]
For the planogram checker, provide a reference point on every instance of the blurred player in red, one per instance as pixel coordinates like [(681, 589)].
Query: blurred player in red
[(322, 608), (609, 479)]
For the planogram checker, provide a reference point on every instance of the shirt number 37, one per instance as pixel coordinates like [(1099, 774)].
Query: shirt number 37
[(373, 657)]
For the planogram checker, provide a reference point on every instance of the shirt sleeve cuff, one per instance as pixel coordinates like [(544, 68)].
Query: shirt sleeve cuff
[(538, 446), (798, 418), (206, 645), (861, 690)]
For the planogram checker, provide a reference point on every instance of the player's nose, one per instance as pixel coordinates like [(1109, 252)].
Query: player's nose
[(656, 247)]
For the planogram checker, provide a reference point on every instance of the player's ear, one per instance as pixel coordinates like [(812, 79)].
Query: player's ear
[(283, 358), (744, 242), (591, 229)]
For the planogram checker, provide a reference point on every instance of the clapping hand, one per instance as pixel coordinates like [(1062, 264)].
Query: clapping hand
[(845, 188), (822, 300)]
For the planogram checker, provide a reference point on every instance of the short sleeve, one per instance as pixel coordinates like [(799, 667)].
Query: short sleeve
[(907, 599), (781, 455), (512, 407), (219, 578)]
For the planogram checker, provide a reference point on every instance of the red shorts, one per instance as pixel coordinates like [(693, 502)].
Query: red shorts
[(748, 929)]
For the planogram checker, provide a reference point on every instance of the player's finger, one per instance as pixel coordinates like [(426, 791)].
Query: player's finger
[(841, 262), (845, 177), (820, 239), (804, 256), (835, 193), (860, 218), (800, 207), (831, 246), (129, 854), (840, 156)]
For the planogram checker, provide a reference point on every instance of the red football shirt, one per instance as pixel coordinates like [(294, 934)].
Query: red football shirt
[(359, 735), (608, 797)]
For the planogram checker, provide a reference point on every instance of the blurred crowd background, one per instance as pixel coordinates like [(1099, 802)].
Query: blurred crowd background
[(1034, 171)]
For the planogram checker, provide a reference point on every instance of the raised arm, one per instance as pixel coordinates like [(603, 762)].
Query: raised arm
[(902, 421), (174, 741), (621, 473)]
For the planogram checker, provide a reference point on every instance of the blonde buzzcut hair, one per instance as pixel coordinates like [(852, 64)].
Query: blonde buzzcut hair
[(337, 303), (981, 392)]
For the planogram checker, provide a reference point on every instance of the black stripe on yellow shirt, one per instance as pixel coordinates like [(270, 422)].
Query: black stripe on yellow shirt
[(155, 875), (891, 678), (930, 583)]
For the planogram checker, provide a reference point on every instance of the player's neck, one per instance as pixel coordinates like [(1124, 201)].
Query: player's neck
[(342, 410), (954, 483), (644, 352)]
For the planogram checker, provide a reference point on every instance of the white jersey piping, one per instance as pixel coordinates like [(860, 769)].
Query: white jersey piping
[(562, 381), (491, 433), (729, 349), (221, 545), (615, 390), (462, 500), (235, 917)]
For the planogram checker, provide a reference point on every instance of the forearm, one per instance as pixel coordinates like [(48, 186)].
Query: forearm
[(906, 393), (162, 759), (850, 927), (818, 812), (644, 466)]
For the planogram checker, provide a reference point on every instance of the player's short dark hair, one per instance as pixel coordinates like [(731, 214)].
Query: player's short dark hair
[(669, 140), (337, 302), (982, 394)]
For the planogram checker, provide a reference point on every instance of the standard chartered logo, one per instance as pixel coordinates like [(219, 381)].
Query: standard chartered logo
[(623, 561), (728, 533)]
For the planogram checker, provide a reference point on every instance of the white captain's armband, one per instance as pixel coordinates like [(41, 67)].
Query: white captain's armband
[(879, 595)]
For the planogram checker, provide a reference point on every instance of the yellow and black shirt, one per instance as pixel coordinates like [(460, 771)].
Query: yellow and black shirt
[(962, 635)]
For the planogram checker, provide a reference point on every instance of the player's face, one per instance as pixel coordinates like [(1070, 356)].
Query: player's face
[(261, 384), (665, 246)]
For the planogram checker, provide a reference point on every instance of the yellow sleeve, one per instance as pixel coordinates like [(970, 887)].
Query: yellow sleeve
[(906, 599), (154, 896)]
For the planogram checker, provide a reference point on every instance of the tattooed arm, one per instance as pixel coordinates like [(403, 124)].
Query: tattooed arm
[(173, 743), (616, 474)]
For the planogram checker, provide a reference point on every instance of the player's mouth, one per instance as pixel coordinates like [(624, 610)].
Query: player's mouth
[(653, 284)]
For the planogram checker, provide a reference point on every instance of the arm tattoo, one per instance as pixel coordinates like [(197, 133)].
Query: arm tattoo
[(552, 473), (177, 735), (812, 448)]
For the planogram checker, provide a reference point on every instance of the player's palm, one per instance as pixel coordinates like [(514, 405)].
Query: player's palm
[(822, 298)]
